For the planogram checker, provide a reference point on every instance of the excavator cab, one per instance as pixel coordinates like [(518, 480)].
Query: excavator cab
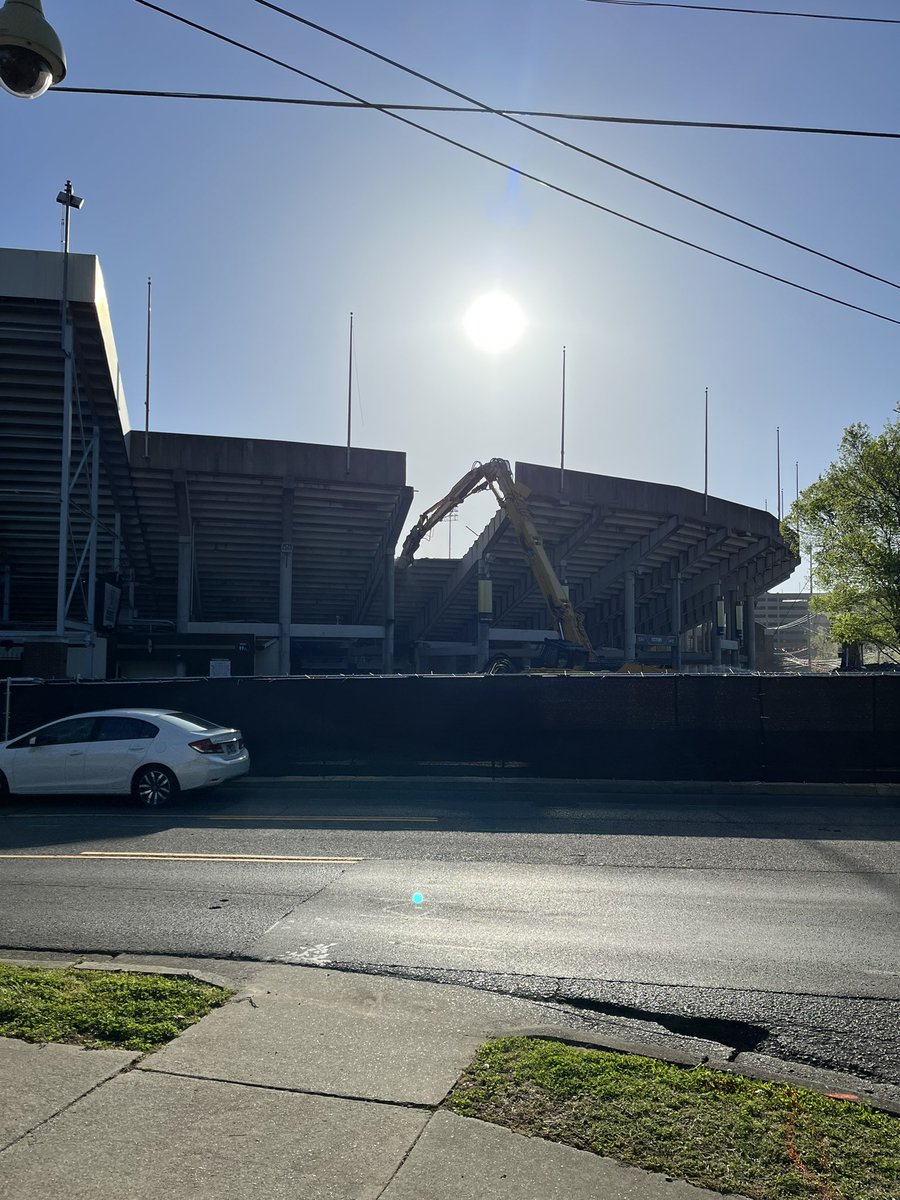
[(558, 654)]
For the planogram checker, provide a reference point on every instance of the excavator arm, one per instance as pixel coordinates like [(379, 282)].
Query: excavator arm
[(473, 481), (496, 476)]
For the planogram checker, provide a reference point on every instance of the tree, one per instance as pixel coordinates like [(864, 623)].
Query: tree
[(824, 647), (849, 519)]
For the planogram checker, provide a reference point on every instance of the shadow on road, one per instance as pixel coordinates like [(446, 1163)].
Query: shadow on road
[(527, 807)]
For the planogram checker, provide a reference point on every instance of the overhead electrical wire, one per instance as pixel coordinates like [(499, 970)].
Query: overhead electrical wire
[(525, 174), (750, 12), (465, 108), (558, 141)]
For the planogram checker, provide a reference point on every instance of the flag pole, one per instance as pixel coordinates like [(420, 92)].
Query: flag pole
[(706, 450), (349, 395), (562, 435)]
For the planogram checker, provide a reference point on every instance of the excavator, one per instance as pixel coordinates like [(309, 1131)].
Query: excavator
[(573, 649)]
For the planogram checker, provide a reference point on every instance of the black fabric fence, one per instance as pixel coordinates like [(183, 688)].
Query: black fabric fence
[(661, 727)]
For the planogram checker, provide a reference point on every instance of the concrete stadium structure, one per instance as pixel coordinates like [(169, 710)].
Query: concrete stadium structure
[(180, 554)]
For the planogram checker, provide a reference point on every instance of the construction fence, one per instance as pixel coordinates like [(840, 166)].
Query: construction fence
[(658, 727)]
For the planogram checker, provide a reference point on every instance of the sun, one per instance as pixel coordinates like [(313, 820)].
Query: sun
[(494, 322)]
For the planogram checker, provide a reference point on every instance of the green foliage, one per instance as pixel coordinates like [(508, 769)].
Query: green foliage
[(101, 1008), (824, 647), (850, 520), (726, 1132)]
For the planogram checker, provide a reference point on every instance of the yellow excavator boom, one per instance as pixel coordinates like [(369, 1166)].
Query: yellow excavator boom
[(496, 475)]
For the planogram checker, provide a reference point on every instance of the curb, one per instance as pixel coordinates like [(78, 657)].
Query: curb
[(68, 962), (684, 1053), (618, 786)]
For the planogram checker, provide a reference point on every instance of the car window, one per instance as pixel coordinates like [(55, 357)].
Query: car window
[(60, 733), (191, 722), (120, 729)]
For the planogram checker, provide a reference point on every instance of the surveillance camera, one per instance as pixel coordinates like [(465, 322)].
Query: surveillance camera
[(23, 72), (31, 54)]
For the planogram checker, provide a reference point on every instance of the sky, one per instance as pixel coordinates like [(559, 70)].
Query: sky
[(263, 227)]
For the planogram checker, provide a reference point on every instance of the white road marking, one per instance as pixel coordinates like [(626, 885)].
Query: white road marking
[(317, 954)]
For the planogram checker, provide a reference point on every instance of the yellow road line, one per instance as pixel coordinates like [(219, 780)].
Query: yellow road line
[(174, 856)]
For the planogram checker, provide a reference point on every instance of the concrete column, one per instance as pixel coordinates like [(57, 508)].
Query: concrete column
[(185, 557), (676, 622), (286, 581), (185, 553), (117, 541), (716, 636), (629, 647), (387, 652), (95, 527), (750, 630), (484, 645), (485, 614)]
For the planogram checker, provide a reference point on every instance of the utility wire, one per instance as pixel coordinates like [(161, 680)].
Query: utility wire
[(525, 174), (751, 12), (465, 108), (558, 141)]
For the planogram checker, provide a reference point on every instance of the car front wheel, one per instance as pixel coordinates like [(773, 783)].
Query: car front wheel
[(4, 789), (154, 785)]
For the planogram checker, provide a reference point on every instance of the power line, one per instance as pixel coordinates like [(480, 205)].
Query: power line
[(750, 12), (509, 167), (551, 137), (466, 108)]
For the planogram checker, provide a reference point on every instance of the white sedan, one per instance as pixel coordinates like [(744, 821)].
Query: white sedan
[(152, 753)]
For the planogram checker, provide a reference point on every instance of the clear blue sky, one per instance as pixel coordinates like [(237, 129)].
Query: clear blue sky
[(263, 227)]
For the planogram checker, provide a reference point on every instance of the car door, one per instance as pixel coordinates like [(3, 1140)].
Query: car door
[(53, 758), (118, 746)]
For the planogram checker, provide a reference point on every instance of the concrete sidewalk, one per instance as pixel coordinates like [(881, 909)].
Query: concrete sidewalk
[(308, 1085)]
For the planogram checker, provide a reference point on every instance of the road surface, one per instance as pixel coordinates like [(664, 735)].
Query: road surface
[(777, 916)]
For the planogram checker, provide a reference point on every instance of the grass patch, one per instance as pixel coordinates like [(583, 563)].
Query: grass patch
[(101, 1008), (768, 1141)]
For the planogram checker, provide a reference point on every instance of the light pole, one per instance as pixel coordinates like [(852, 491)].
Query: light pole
[(69, 200)]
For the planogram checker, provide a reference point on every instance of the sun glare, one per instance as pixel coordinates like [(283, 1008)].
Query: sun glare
[(494, 322)]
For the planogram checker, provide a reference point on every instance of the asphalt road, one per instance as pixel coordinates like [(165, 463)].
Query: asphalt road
[(760, 923)]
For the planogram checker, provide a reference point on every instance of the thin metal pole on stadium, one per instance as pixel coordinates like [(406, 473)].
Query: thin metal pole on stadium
[(349, 394), (562, 435), (705, 450), (147, 375)]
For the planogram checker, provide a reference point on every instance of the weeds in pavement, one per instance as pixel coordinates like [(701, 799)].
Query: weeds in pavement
[(126, 1010)]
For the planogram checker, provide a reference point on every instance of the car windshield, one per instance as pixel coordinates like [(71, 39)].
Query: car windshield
[(192, 723)]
